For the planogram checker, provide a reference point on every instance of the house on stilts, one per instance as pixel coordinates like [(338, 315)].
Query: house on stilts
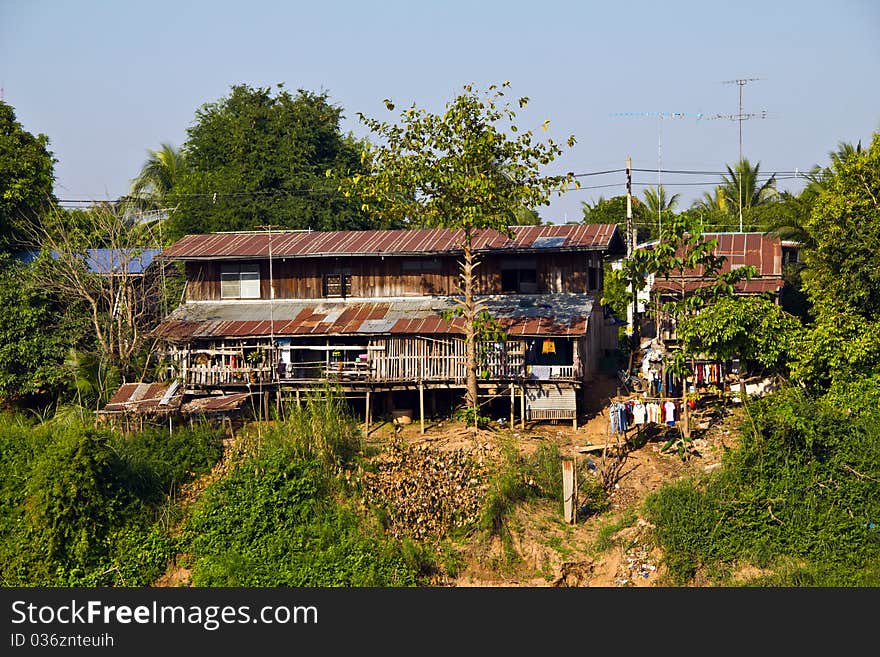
[(276, 313)]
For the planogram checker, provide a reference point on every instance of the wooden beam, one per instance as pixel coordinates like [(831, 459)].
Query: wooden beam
[(512, 403), (569, 490), (422, 405), (366, 415)]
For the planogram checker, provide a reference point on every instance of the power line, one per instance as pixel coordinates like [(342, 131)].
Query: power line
[(786, 174)]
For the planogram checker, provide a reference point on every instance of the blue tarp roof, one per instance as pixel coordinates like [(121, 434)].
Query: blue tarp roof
[(107, 261)]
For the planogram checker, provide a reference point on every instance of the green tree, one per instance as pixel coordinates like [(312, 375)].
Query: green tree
[(613, 211), (36, 330), (842, 272), (843, 263), (469, 168), (683, 249), (26, 176), (753, 329), (256, 158), (527, 217)]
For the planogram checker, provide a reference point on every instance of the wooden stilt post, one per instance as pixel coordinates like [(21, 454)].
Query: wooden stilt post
[(512, 403), (422, 404), (367, 416), (569, 490), (522, 407)]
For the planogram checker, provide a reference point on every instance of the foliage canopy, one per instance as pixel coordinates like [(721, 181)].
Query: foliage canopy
[(258, 158)]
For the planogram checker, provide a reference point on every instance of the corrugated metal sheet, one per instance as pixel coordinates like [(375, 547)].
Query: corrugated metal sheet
[(214, 403), (107, 261), (762, 251), (557, 314), (291, 244), (550, 403), (143, 398), (754, 286)]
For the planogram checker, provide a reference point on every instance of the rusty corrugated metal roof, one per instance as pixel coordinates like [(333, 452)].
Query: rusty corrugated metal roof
[(214, 403), (290, 244), (556, 314), (761, 250), (142, 398), (754, 286)]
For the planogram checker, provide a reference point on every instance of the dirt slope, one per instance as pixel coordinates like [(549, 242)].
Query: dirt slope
[(550, 551), (554, 553)]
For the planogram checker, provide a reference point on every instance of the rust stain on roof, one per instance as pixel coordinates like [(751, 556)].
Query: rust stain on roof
[(290, 244), (142, 398), (558, 314)]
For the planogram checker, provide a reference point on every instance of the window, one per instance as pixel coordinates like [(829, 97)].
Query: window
[(337, 285), (592, 278), (420, 265), (240, 281), (519, 276)]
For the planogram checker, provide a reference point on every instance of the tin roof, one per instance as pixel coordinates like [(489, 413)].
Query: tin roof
[(760, 250), (107, 261), (754, 286), (741, 249), (214, 403), (290, 244), (557, 314), (143, 398)]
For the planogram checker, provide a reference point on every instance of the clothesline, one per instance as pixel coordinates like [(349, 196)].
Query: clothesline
[(624, 415)]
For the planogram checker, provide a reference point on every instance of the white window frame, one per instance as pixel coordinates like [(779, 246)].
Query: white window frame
[(240, 281)]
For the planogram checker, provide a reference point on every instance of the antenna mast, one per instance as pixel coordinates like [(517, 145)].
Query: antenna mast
[(740, 117)]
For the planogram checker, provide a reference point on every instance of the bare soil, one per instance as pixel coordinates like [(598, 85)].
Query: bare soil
[(552, 552)]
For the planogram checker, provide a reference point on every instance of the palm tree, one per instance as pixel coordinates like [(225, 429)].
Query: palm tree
[(791, 223), (745, 189), (716, 201), (658, 207), (159, 174), (658, 203)]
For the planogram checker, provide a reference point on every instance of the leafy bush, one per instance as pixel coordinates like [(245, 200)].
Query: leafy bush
[(158, 462), (801, 489), (80, 506), (273, 521)]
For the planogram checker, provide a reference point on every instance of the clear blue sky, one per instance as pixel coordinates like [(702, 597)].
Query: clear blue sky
[(107, 80)]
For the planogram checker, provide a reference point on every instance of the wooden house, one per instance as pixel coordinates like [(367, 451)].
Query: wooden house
[(766, 253), (276, 313)]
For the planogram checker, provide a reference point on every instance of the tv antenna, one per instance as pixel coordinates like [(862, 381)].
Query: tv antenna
[(661, 116), (739, 117)]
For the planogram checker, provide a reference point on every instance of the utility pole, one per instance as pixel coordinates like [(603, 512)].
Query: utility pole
[(631, 239), (661, 116)]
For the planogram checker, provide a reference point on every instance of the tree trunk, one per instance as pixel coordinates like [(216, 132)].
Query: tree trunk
[(469, 314), (685, 415)]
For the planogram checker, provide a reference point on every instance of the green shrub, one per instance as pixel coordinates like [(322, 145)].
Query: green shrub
[(272, 523), (801, 488), (83, 506)]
